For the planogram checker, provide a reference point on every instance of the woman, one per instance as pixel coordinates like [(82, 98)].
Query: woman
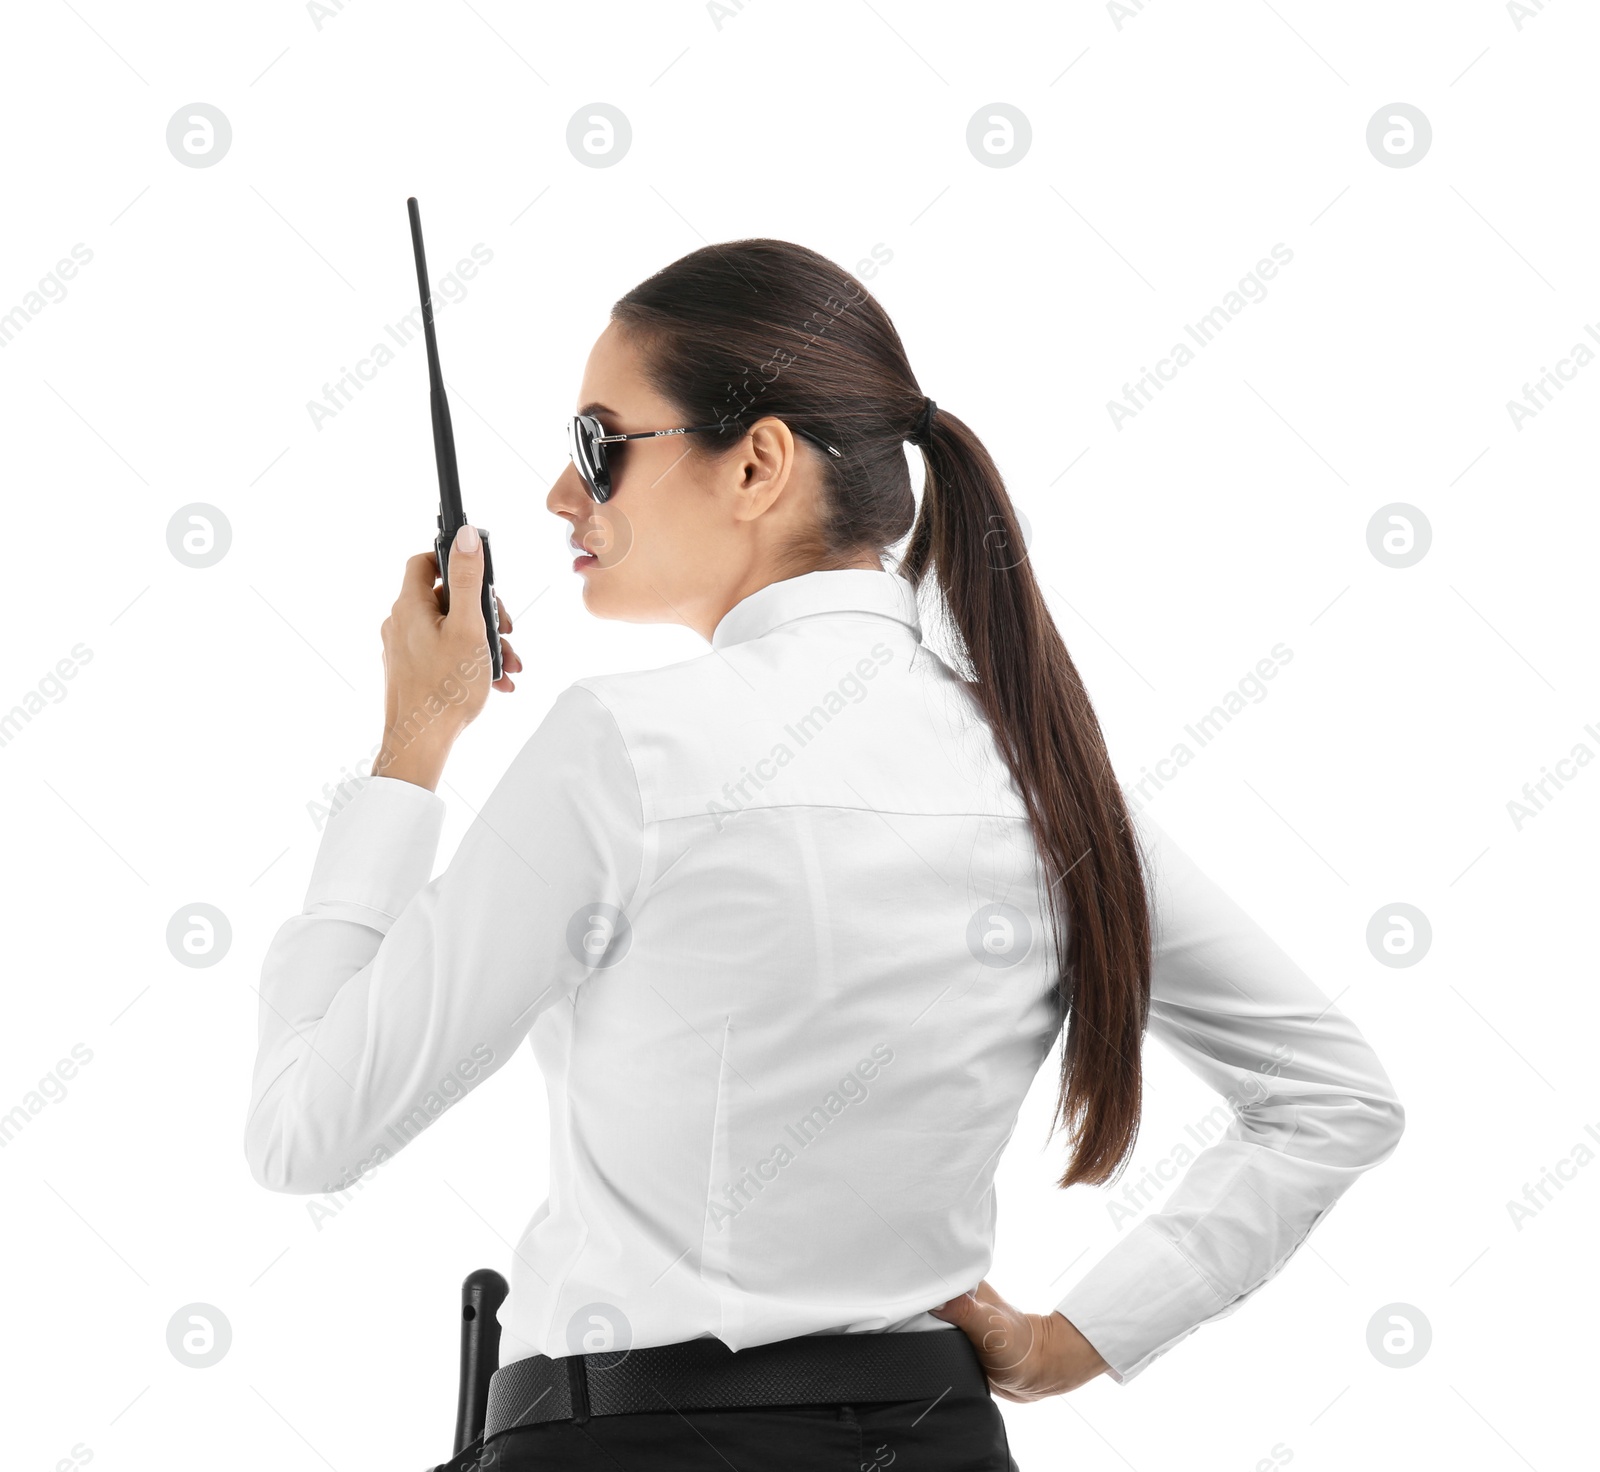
[(792, 925)]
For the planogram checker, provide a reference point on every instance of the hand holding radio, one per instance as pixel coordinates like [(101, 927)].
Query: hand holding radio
[(437, 665)]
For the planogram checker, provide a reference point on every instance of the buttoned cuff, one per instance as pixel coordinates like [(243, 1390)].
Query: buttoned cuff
[(377, 851), (1139, 1300)]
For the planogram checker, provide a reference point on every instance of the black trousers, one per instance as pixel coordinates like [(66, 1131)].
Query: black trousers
[(949, 1435)]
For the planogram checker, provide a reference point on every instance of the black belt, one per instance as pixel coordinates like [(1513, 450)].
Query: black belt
[(704, 1374)]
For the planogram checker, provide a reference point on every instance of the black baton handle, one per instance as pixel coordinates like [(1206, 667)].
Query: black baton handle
[(481, 1296)]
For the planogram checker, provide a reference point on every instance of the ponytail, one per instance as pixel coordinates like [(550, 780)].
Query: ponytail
[(967, 537)]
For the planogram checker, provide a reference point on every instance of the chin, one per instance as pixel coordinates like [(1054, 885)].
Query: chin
[(595, 599), (605, 598)]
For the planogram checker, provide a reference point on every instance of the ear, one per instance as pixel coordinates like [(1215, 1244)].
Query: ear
[(765, 468)]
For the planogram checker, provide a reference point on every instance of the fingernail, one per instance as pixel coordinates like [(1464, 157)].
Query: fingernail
[(467, 539)]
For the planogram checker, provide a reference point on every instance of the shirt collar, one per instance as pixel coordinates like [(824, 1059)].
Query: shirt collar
[(839, 590)]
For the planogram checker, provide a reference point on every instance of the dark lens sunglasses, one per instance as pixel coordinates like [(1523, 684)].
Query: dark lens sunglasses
[(587, 441)]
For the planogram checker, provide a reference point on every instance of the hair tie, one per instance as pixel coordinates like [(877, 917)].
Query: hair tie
[(922, 432)]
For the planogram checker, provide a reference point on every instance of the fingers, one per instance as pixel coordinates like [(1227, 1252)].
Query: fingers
[(511, 663), (1025, 1356), (466, 575), (422, 571), (465, 619), (959, 1311), (969, 1308), (1001, 1333)]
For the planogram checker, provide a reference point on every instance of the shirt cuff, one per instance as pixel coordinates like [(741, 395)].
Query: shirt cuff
[(377, 851), (1139, 1300)]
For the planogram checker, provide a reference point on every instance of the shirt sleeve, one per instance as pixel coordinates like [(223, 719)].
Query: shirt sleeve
[(390, 996), (1312, 1109)]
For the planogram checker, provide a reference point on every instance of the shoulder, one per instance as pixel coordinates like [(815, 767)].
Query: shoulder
[(667, 693), (681, 728)]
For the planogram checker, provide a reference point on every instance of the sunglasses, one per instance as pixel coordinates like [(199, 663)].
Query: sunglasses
[(587, 441)]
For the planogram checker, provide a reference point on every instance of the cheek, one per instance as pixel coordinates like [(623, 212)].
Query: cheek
[(654, 528), (607, 532), (655, 540), (620, 586)]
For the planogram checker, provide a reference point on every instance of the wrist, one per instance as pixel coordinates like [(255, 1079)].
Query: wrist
[(420, 762), (1073, 1360)]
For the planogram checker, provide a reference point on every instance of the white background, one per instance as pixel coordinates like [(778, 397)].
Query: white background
[(1169, 153)]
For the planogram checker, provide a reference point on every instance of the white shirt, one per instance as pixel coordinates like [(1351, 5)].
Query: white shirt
[(748, 909)]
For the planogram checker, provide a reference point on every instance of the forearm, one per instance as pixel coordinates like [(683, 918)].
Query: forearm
[(305, 1107), (391, 994), (1311, 1106)]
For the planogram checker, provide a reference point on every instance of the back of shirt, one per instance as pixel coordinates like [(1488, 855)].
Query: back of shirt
[(785, 1101)]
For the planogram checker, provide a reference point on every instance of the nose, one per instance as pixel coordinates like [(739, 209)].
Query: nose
[(569, 496)]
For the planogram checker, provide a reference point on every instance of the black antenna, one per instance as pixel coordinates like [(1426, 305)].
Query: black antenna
[(451, 516)]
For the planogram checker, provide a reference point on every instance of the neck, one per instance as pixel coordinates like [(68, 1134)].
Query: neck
[(865, 559)]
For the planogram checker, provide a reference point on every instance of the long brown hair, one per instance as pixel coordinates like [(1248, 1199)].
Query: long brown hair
[(733, 332)]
